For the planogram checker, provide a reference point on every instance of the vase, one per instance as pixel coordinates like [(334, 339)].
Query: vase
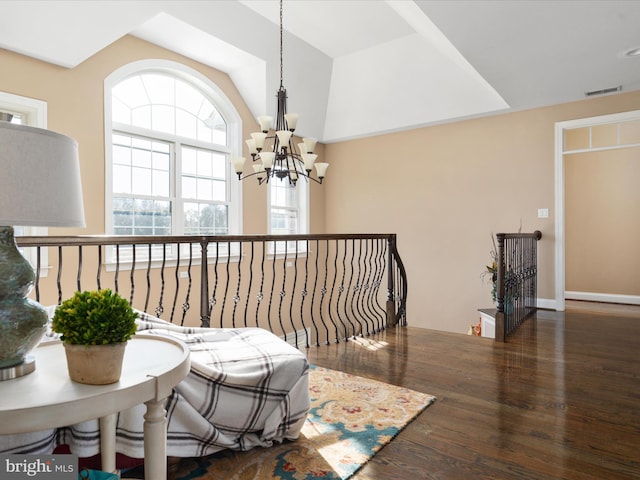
[(95, 364), (23, 322)]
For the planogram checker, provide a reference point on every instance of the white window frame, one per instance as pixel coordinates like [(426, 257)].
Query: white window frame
[(34, 114), (222, 103)]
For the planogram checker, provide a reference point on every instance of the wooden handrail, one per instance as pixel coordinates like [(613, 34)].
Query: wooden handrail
[(325, 285)]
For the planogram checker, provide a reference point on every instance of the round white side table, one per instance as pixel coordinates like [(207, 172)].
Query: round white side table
[(47, 398)]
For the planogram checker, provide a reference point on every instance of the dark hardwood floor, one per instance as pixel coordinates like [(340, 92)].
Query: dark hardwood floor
[(559, 400)]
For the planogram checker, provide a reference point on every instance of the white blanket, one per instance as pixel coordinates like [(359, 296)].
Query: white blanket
[(246, 388)]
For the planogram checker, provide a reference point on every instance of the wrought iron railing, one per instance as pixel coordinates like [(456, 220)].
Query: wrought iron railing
[(309, 289), (516, 287)]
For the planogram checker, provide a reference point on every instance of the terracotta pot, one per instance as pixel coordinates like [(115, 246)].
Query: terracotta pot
[(95, 364)]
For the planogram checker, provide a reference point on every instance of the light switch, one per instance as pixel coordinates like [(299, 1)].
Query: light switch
[(543, 213)]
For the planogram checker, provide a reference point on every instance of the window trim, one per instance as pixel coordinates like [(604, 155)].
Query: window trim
[(34, 114), (210, 89)]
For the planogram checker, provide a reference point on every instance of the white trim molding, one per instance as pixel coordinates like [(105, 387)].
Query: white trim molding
[(560, 127), (603, 297), (547, 303)]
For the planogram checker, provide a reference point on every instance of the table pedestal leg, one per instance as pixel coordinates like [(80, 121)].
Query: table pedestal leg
[(155, 441), (108, 442)]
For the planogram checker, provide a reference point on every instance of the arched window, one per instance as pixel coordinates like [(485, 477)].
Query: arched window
[(169, 135)]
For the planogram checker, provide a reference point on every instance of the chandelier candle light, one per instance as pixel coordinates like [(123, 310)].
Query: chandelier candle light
[(283, 159)]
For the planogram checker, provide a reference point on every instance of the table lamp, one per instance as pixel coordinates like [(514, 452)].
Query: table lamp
[(39, 186)]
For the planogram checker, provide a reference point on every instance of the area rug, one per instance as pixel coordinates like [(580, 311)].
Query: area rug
[(350, 420)]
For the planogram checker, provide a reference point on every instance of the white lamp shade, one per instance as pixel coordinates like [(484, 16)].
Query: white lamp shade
[(40, 183), (292, 120), (309, 159), (251, 143), (238, 164), (310, 143), (283, 136), (321, 169), (258, 138), (265, 122), (267, 159)]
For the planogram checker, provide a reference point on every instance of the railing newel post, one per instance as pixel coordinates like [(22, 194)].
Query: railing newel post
[(391, 304), (205, 318)]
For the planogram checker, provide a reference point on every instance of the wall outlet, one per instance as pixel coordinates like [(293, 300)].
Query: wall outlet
[(543, 213)]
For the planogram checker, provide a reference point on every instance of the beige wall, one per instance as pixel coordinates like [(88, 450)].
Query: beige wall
[(444, 189), (75, 108), (602, 200)]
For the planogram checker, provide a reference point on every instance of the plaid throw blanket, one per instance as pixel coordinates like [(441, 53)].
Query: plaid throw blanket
[(246, 388)]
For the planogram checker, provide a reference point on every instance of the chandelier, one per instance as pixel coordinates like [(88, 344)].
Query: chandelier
[(281, 159)]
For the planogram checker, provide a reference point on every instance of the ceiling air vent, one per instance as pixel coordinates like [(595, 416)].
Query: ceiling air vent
[(603, 91)]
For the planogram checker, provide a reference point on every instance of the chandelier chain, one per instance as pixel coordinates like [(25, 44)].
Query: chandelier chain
[(281, 68)]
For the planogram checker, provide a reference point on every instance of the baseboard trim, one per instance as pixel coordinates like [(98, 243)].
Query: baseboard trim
[(547, 303), (603, 297)]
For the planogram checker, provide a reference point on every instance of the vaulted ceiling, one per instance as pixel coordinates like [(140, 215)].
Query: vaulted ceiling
[(355, 68)]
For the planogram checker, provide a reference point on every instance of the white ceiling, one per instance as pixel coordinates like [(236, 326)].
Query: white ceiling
[(355, 68)]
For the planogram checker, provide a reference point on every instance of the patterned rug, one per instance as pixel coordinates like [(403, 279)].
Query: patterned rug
[(350, 420)]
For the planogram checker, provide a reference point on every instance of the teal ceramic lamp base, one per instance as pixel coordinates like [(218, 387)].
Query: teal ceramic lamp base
[(23, 322)]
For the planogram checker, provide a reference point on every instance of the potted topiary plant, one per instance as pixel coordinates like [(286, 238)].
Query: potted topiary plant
[(95, 327)]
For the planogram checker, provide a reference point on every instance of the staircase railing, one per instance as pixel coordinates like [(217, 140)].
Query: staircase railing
[(309, 289), (516, 287)]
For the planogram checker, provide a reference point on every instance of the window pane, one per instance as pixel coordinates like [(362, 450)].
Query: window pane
[(121, 179), (141, 181), (141, 158), (163, 118), (121, 155), (282, 193), (283, 222), (219, 190), (203, 174), (150, 171), (189, 187), (216, 127), (205, 189), (219, 166), (160, 161), (205, 219), (131, 92), (141, 117), (120, 112), (141, 217), (188, 98), (204, 164), (189, 164), (160, 89), (160, 184), (186, 124)]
